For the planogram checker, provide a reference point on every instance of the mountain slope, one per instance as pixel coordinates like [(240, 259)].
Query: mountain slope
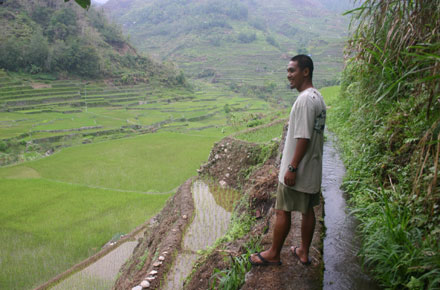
[(243, 44), (64, 39)]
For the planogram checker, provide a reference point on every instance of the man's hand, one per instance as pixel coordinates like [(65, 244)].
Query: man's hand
[(289, 178)]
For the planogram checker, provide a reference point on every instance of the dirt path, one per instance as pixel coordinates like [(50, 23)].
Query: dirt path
[(292, 274)]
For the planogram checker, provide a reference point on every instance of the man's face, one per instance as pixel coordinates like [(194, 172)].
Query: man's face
[(295, 75)]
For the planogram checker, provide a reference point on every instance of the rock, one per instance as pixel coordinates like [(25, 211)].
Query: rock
[(174, 230), (184, 216), (223, 183), (226, 150), (145, 284), (154, 272), (248, 276), (165, 253), (137, 288), (216, 156), (157, 264), (161, 258), (229, 168), (227, 175), (150, 278)]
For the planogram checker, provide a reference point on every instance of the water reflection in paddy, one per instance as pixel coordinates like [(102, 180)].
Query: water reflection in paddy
[(213, 206)]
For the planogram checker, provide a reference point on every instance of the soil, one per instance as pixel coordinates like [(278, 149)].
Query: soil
[(40, 85)]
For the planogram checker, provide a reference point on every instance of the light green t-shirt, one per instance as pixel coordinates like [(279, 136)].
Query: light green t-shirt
[(307, 120)]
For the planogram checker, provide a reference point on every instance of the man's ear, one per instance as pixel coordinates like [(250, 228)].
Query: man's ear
[(306, 72)]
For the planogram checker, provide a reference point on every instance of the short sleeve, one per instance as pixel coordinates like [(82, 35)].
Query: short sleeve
[(304, 119)]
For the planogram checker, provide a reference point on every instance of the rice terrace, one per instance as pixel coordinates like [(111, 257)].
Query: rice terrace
[(141, 142)]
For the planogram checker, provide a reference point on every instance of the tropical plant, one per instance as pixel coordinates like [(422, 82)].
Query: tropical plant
[(390, 130)]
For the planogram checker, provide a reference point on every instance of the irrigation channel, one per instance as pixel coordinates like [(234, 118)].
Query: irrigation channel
[(341, 244)]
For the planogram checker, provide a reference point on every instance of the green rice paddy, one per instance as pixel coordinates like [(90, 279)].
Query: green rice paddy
[(59, 209)]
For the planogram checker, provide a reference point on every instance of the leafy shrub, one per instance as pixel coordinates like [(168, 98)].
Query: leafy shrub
[(258, 23), (244, 37), (272, 41)]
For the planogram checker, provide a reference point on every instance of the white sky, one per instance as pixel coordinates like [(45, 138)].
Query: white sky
[(100, 1)]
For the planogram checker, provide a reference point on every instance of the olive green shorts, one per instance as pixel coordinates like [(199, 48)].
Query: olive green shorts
[(291, 200)]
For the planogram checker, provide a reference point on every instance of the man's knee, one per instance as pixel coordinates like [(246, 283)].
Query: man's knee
[(309, 214)]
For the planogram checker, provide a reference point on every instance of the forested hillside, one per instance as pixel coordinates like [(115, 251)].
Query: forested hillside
[(242, 44), (388, 122), (65, 40)]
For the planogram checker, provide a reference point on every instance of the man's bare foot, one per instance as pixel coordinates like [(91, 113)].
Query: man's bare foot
[(301, 255), (266, 256)]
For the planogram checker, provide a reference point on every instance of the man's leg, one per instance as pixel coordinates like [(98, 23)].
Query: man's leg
[(280, 232), (307, 229)]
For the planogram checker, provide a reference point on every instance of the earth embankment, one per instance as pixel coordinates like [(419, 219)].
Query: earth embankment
[(252, 169)]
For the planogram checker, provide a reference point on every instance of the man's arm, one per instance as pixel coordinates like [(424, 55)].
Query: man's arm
[(300, 151)]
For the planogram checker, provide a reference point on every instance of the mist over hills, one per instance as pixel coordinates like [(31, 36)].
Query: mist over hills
[(243, 44)]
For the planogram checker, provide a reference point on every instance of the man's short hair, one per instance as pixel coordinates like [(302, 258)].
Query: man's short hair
[(303, 62)]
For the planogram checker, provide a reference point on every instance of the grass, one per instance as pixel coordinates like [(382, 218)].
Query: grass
[(400, 238), (46, 227), (263, 135), (234, 276), (154, 162)]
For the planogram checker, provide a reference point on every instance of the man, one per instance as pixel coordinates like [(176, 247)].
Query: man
[(299, 180)]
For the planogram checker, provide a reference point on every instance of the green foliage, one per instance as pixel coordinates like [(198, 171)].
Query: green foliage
[(226, 108), (142, 260), (46, 38), (3, 146), (111, 33), (381, 143), (83, 3), (258, 23), (234, 277), (62, 24), (244, 37), (272, 41), (263, 135), (397, 49)]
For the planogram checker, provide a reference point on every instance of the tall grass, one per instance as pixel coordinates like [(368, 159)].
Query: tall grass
[(397, 43), (234, 277)]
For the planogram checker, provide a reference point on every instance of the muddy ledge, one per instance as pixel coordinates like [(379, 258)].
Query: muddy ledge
[(237, 164)]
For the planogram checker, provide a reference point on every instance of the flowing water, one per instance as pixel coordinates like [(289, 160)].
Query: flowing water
[(342, 267), (211, 221)]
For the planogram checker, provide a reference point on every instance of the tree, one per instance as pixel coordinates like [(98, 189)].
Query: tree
[(83, 3), (36, 53)]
